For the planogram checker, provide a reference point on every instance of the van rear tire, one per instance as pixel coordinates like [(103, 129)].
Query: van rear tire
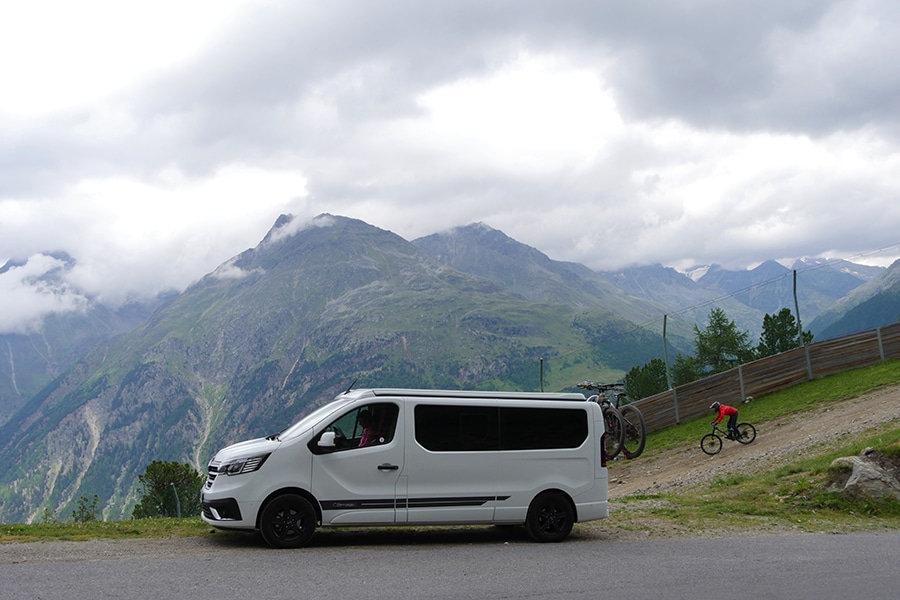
[(287, 521), (550, 517)]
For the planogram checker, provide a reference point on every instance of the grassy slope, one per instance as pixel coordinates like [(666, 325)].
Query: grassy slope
[(789, 499)]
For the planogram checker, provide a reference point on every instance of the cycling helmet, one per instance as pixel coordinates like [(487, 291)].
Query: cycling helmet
[(714, 406)]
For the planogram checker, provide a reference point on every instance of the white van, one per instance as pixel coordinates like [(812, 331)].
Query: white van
[(414, 457)]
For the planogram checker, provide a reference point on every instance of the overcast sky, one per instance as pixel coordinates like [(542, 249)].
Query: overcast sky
[(152, 141)]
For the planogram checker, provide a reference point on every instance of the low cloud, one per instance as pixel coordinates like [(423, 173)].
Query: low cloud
[(229, 270), (294, 224), (30, 291)]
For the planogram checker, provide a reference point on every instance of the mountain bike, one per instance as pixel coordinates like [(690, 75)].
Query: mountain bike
[(711, 443), (625, 426)]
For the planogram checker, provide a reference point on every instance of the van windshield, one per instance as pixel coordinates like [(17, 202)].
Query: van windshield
[(311, 419)]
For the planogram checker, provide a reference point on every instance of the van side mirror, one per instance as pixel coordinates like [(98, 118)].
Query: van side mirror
[(327, 440)]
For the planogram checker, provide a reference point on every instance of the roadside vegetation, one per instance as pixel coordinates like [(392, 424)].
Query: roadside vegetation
[(89, 530), (791, 498)]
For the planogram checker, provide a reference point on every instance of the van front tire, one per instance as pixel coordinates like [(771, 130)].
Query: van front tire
[(550, 517), (287, 521)]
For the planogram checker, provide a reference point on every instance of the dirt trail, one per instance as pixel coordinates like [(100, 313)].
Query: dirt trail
[(777, 442)]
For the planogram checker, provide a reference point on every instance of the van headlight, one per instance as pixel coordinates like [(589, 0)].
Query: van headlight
[(239, 466)]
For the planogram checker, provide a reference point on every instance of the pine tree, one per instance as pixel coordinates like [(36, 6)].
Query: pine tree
[(650, 379), (779, 334), (721, 346), (167, 486)]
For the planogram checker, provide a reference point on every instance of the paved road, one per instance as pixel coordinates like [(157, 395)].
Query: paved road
[(470, 564)]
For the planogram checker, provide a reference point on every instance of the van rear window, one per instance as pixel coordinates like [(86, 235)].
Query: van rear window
[(441, 428), (537, 428)]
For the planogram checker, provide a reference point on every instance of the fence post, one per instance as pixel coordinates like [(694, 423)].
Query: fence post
[(741, 382), (880, 343), (675, 400), (809, 371), (666, 354)]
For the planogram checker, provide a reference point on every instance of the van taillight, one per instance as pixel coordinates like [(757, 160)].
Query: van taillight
[(603, 454)]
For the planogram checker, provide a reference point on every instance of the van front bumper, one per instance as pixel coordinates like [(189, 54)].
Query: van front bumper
[(228, 513), (226, 509)]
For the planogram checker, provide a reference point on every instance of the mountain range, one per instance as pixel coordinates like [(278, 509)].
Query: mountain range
[(283, 327)]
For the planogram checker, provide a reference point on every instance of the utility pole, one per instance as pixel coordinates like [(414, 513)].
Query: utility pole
[(797, 310)]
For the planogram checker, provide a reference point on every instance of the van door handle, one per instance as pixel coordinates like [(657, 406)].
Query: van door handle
[(387, 467)]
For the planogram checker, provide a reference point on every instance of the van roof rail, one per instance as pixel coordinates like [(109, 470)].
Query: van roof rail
[(494, 395)]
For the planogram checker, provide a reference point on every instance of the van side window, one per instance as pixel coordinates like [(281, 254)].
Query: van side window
[(478, 428), (369, 425), (456, 428), (542, 428)]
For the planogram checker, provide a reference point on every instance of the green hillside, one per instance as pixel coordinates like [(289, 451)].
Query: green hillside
[(881, 309), (279, 329)]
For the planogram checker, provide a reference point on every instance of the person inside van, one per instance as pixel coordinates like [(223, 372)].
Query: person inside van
[(369, 435)]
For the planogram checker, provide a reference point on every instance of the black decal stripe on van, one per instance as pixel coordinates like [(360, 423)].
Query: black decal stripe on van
[(369, 504), (460, 501), (365, 504)]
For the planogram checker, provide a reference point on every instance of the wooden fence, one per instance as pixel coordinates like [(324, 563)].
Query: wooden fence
[(771, 373)]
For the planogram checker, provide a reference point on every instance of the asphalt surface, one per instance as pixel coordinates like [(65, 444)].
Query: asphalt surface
[(475, 563)]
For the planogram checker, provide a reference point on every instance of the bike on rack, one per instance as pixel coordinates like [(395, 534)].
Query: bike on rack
[(711, 443), (625, 427)]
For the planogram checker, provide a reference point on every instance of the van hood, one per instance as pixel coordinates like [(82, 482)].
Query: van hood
[(246, 449)]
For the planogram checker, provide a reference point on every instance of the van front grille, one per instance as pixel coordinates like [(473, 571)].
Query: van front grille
[(212, 474)]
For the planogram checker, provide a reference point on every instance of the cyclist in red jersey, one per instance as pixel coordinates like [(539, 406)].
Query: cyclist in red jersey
[(731, 412)]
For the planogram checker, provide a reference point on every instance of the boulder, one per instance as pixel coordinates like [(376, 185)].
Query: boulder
[(868, 477)]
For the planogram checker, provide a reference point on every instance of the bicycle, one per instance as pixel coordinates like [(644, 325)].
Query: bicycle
[(711, 443), (625, 426)]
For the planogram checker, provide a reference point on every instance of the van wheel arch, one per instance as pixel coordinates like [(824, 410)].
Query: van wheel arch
[(298, 491)]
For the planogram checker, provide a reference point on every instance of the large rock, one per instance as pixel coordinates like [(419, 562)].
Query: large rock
[(870, 475)]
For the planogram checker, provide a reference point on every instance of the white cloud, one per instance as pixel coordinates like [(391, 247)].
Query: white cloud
[(607, 133), (64, 54), (30, 291), (229, 270), (296, 224), (538, 115), (132, 237)]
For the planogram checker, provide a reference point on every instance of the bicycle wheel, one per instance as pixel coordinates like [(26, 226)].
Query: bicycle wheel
[(614, 430), (711, 444), (635, 433), (746, 433)]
